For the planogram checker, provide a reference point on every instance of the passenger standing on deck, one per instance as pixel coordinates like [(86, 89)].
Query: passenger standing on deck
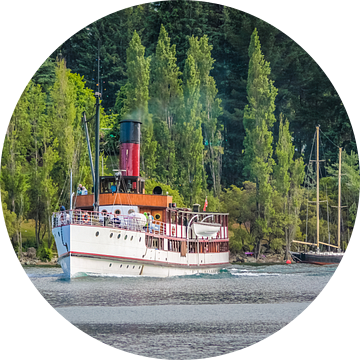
[(79, 189), (150, 221), (84, 191), (147, 220)]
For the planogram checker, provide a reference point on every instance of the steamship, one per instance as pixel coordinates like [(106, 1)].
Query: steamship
[(120, 230)]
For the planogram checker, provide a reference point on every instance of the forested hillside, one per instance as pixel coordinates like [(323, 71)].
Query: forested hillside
[(229, 106)]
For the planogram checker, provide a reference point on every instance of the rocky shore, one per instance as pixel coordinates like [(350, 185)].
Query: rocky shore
[(30, 258), (263, 259)]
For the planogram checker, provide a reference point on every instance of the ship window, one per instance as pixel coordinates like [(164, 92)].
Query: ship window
[(131, 238), (131, 211), (127, 266), (134, 267), (121, 265), (110, 265), (119, 236), (104, 212), (140, 239), (111, 235), (125, 237), (157, 217), (97, 233), (117, 212)]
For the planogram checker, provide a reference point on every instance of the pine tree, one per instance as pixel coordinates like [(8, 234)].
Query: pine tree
[(258, 121)]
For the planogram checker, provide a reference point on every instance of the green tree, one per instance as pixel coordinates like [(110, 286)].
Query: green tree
[(190, 140), (9, 216), (14, 177), (289, 175), (350, 188), (135, 104), (37, 121), (166, 99), (258, 121), (200, 50), (62, 114)]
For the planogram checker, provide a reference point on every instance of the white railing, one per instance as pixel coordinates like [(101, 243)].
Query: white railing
[(126, 222), (93, 218)]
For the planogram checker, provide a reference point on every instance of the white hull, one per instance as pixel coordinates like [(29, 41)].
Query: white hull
[(98, 250)]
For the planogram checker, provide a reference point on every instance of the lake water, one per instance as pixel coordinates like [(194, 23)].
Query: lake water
[(188, 317)]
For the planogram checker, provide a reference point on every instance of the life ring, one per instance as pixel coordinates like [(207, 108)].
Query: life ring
[(86, 218), (173, 230)]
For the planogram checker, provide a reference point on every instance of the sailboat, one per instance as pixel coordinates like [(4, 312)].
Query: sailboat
[(318, 257), (120, 230)]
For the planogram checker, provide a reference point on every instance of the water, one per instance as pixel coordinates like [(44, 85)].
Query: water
[(188, 317)]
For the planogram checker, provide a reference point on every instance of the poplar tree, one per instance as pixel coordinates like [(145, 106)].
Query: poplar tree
[(191, 171), (200, 50), (258, 121), (135, 104), (289, 175), (166, 99), (36, 119), (62, 115)]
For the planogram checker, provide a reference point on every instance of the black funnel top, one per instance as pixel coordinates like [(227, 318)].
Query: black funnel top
[(130, 131)]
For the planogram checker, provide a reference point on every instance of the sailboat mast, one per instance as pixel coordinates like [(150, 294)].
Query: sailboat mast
[(339, 199), (97, 141), (317, 188)]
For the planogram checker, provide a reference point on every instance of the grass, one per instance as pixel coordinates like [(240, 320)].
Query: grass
[(28, 230), (28, 234)]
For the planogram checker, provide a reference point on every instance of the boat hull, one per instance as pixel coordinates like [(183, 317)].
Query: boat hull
[(97, 250), (316, 259)]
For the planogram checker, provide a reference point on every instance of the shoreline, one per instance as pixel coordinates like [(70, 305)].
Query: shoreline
[(29, 258)]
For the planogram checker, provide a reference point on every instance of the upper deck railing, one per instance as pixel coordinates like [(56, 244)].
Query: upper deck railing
[(126, 222)]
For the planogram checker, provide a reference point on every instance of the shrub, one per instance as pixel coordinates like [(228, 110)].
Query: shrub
[(45, 254)]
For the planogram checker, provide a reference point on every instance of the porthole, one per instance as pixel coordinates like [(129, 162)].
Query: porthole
[(119, 236), (127, 266), (131, 238), (134, 267), (131, 211), (110, 265), (111, 235), (157, 216), (139, 267), (121, 265), (117, 212), (140, 239), (104, 212), (97, 233), (125, 237)]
